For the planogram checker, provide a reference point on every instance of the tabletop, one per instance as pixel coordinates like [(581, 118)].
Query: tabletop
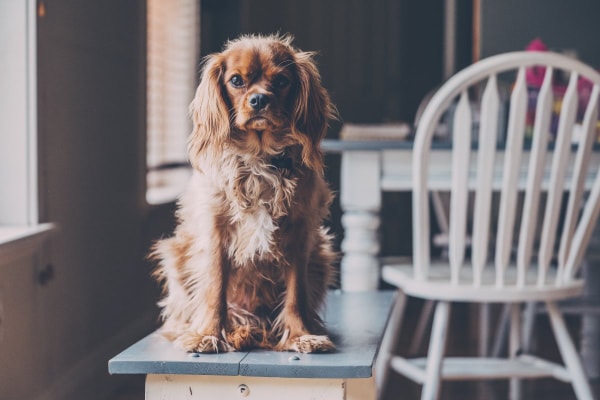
[(355, 322)]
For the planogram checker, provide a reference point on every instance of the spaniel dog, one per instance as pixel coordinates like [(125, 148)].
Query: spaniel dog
[(250, 261)]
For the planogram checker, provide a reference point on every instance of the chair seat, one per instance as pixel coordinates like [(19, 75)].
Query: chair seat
[(439, 287)]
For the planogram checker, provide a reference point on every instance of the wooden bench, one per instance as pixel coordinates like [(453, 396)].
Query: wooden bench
[(355, 322)]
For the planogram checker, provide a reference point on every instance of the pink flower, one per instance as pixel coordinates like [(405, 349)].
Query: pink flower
[(536, 45), (535, 75)]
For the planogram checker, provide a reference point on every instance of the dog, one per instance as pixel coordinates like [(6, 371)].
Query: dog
[(250, 261)]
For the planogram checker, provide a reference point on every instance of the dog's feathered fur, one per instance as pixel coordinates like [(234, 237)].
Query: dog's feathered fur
[(250, 262)]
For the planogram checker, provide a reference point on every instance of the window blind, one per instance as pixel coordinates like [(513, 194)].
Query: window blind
[(172, 72)]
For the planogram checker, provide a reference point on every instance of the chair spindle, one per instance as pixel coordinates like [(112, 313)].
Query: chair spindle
[(510, 179), (561, 153), (541, 129), (580, 168), (461, 151), (488, 132)]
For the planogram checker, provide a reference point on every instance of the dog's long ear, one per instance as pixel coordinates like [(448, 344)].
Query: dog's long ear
[(209, 109), (312, 111)]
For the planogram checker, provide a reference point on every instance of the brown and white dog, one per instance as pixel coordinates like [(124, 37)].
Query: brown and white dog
[(250, 262)]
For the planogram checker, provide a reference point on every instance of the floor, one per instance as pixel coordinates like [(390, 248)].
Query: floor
[(462, 334)]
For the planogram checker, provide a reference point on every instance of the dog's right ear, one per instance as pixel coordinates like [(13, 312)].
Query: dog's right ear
[(209, 109)]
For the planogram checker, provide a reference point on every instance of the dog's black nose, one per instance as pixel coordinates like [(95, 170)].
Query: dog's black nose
[(258, 101)]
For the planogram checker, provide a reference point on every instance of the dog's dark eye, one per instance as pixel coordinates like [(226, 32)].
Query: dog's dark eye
[(280, 81), (237, 81)]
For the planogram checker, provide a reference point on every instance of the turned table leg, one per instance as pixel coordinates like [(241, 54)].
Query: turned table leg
[(360, 199)]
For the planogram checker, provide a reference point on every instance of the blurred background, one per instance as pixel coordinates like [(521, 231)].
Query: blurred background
[(93, 126)]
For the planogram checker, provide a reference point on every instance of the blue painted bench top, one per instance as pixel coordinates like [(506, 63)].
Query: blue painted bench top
[(355, 323)]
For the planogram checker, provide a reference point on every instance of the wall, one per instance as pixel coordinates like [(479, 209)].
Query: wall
[(377, 58), (511, 24), (59, 336)]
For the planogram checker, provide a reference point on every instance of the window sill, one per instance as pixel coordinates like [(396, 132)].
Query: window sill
[(163, 195), (17, 241), (165, 186)]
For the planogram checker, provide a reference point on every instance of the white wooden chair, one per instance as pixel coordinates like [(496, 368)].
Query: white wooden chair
[(492, 275)]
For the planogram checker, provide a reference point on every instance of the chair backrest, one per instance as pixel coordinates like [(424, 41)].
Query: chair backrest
[(568, 228)]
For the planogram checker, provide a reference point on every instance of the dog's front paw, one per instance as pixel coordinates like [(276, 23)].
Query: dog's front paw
[(310, 344), (198, 343)]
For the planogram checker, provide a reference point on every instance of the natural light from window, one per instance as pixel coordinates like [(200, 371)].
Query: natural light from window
[(18, 114), (173, 52)]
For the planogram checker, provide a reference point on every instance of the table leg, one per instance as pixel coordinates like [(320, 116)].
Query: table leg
[(360, 266), (360, 198), (590, 324)]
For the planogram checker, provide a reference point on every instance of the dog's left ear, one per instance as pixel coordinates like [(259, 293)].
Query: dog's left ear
[(312, 111)]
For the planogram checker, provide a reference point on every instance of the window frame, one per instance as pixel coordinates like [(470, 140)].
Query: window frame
[(20, 227), (18, 115)]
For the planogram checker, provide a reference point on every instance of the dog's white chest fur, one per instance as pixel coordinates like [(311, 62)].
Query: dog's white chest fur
[(253, 210), (252, 236)]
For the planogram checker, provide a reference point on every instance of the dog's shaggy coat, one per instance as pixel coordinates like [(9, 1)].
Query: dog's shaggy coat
[(250, 262)]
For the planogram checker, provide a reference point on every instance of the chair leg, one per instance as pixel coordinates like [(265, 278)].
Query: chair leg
[(569, 353), (528, 327), (421, 328), (514, 347), (502, 332), (437, 348), (389, 343), (484, 329)]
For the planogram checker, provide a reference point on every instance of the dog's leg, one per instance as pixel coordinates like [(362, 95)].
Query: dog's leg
[(301, 326), (208, 305)]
